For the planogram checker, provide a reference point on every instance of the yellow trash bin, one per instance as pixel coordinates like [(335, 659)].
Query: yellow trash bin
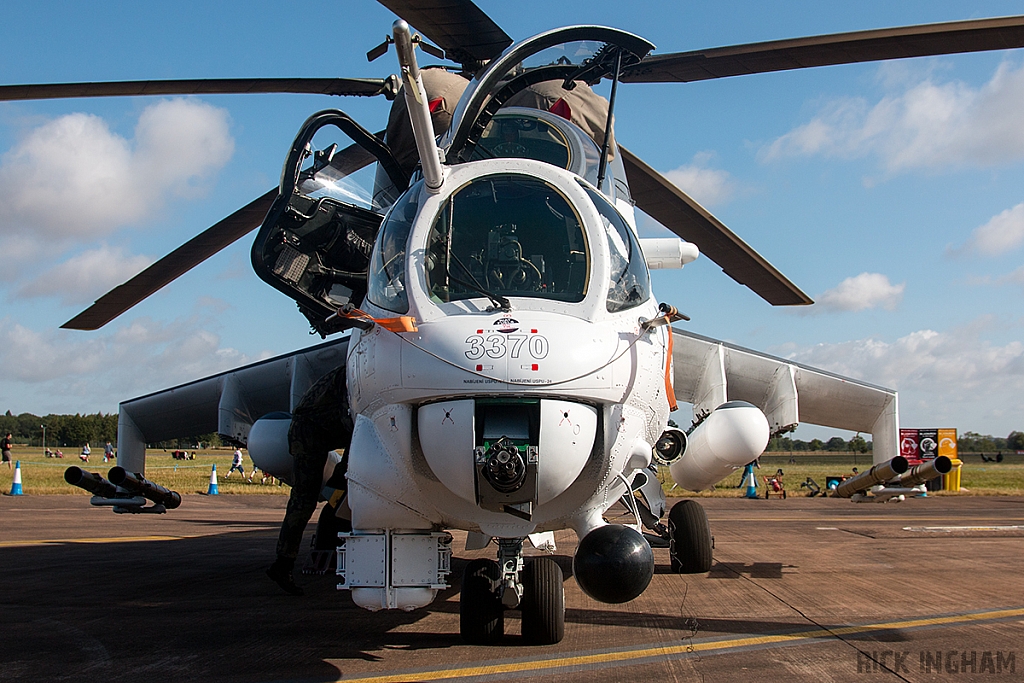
[(951, 481)]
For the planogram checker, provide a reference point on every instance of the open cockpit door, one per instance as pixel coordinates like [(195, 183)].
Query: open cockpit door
[(316, 240)]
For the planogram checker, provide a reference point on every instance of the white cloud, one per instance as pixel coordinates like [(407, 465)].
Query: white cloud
[(73, 178), (864, 291), (134, 359), (951, 378), (927, 125), (17, 250), (1014, 278), (82, 278), (1002, 233), (708, 186)]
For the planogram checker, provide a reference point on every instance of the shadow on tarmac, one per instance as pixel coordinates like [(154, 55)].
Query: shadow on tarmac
[(202, 609)]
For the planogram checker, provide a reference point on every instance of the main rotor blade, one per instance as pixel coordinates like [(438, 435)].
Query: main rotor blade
[(976, 35), (174, 265), (459, 27), (201, 247), (656, 196), (366, 87)]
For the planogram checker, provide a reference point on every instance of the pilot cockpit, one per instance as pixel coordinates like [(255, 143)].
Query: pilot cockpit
[(513, 107), (527, 133)]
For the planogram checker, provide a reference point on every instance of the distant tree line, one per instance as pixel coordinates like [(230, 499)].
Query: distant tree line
[(972, 442), (837, 444), (72, 431), (61, 430), (968, 442)]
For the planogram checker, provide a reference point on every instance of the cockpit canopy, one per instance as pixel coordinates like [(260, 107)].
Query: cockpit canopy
[(578, 54), (315, 242), (525, 133), (502, 235), (508, 235)]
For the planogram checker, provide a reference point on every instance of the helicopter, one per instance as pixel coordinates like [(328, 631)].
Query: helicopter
[(509, 368)]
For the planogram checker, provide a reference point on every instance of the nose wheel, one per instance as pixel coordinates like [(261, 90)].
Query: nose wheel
[(543, 602), (485, 593), (481, 614)]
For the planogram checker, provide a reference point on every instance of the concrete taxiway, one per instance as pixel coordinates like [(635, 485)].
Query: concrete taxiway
[(807, 589)]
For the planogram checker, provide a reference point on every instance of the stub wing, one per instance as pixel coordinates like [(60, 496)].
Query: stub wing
[(709, 372), (228, 403)]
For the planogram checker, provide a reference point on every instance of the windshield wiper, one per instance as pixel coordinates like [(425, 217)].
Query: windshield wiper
[(500, 302)]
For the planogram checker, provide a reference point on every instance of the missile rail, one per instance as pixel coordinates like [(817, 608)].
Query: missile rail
[(124, 491), (892, 480)]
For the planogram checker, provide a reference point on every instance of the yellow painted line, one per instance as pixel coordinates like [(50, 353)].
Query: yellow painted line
[(112, 539), (857, 518), (964, 528), (540, 665)]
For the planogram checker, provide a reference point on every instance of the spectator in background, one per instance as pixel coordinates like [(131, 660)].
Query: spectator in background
[(108, 452), (5, 450), (236, 464), (86, 451)]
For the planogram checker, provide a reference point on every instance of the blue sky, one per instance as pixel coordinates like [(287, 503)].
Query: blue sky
[(893, 194)]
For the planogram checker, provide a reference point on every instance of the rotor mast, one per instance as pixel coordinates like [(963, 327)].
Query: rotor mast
[(419, 108)]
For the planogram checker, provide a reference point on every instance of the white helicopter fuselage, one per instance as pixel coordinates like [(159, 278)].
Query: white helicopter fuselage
[(598, 376)]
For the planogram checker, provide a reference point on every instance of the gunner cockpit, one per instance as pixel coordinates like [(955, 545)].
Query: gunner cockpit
[(507, 235)]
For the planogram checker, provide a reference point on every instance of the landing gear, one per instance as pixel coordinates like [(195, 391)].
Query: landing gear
[(689, 538), (481, 615), (489, 588), (543, 602)]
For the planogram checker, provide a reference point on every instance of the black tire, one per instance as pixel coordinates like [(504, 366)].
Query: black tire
[(689, 538), (543, 603), (481, 615)]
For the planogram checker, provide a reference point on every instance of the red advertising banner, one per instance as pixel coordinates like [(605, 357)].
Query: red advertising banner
[(909, 447)]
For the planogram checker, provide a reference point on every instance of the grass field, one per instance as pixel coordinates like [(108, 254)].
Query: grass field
[(41, 475)]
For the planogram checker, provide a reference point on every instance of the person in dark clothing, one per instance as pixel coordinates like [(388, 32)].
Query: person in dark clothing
[(320, 423), (5, 447)]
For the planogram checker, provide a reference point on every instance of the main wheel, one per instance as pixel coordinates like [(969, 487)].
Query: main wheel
[(543, 602), (481, 615), (689, 538)]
